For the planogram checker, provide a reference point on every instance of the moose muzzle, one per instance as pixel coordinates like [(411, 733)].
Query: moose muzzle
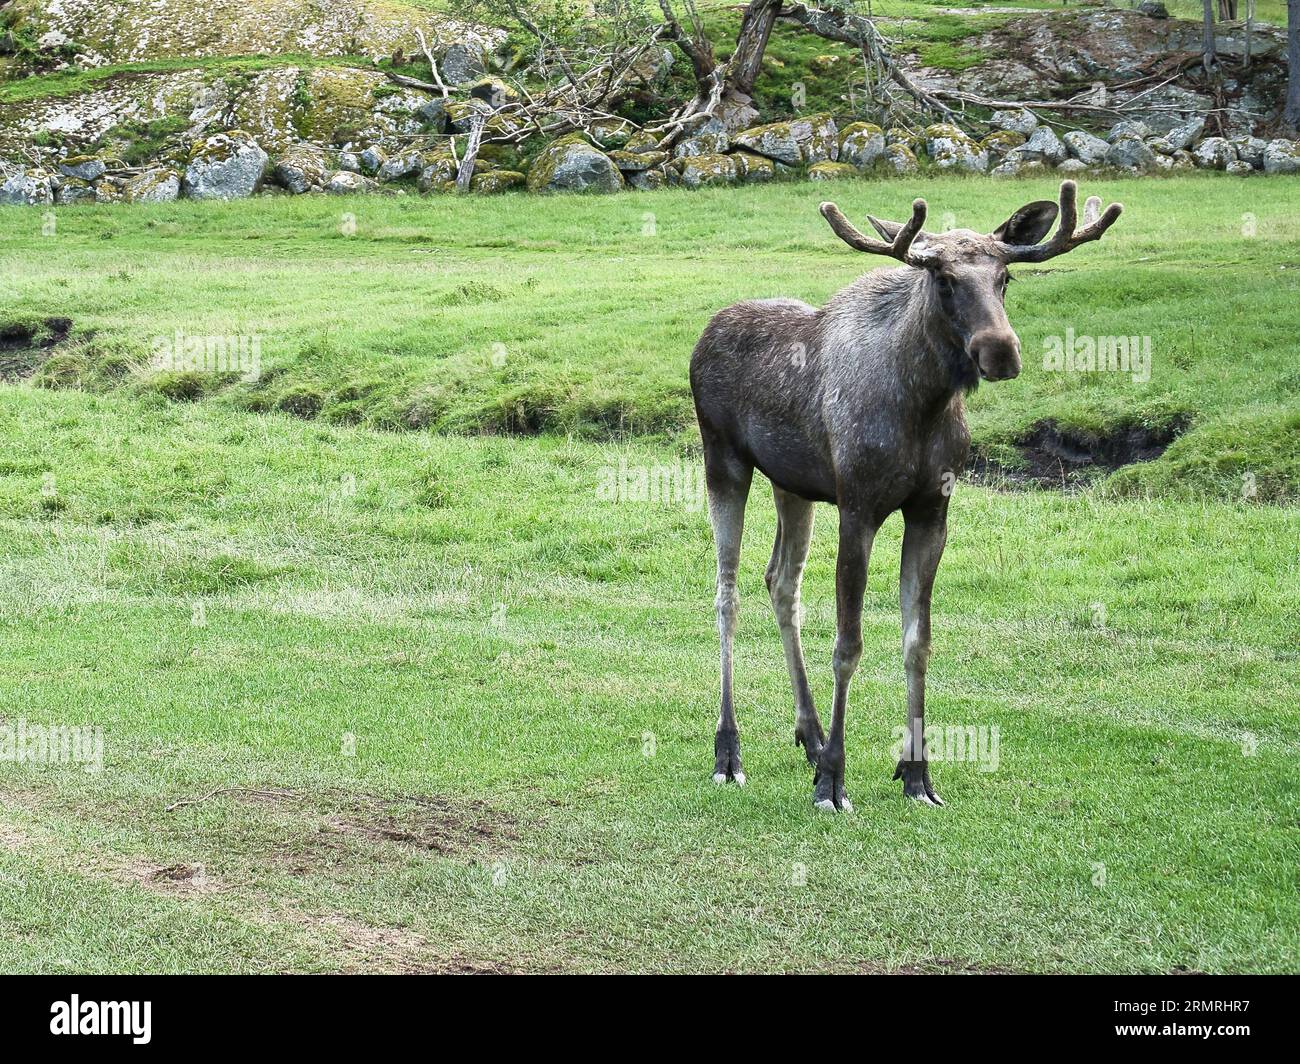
[(996, 352)]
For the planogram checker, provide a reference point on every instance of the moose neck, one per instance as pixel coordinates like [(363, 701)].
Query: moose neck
[(905, 341)]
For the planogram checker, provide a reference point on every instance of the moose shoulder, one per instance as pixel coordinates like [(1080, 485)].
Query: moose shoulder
[(860, 404)]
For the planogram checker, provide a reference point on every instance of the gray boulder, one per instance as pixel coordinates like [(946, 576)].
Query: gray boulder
[(571, 164), (32, 189), (1237, 166), (1214, 153), (346, 183), (1250, 150), (461, 64), (710, 138), (1021, 121), (73, 190), (900, 158), (225, 166), (1128, 128), (372, 159), (302, 167), (1180, 137), (83, 167), (1085, 147), (861, 144), (704, 171), (1282, 157), (1043, 146), (813, 139), (951, 149), (159, 185), (399, 166), (1130, 152)]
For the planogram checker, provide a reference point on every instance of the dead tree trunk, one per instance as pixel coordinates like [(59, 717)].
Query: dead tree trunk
[(1208, 56), (1227, 10), (751, 43), (1292, 111)]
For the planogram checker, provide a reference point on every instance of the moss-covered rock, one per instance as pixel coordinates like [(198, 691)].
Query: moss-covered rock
[(861, 144), (705, 171), (829, 171), (301, 168), (647, 180), (73, 190), (1282, 157), (31, 188), (496, 181), (1001, 141), (158, 185), (755, 169), (809, 139), (437, 172), (775, 140), (225, 166), (628, 161), (85, 167), (572, 164), (108, 191), (613, 132), (951, 149), (122, 31), (396, 167), (641, 141), (900, 159), (346, 183)]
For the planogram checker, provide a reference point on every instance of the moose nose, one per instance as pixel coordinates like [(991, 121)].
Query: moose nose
[(996, 353)]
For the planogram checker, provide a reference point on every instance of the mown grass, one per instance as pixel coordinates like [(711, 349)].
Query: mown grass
[(577, 315), (363, 619)]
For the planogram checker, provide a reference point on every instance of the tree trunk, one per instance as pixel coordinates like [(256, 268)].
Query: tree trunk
[(1227, 10), (751, 42), (1208, 56), (1292, 112)]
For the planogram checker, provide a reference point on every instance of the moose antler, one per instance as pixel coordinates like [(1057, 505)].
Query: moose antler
[(1065, 238), (900, 249)]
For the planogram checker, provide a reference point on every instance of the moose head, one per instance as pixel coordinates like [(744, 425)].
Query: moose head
[(968, 271)]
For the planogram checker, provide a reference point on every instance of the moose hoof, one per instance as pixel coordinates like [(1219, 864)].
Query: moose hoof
[(916, 782), (726, 763), (828, 790)]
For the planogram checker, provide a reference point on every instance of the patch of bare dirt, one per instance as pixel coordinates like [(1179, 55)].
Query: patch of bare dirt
[(1066, 458), (24, 347)]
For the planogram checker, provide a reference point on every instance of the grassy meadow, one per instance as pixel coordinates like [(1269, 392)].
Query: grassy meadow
[(388, 681)]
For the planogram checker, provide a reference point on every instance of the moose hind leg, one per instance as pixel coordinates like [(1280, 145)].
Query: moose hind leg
[(856, 538), (728, 482), (784, 578)]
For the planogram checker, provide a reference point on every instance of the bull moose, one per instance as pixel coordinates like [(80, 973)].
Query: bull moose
[(860, 404)]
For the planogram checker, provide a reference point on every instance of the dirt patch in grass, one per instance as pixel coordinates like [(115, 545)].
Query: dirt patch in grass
[(1056, 456), (24, 346), (423, 822), (440, 824)]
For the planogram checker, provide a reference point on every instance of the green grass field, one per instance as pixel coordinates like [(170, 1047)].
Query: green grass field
[(457, 704)]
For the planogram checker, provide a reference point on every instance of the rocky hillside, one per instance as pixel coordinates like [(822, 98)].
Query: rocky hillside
[(151, 99)]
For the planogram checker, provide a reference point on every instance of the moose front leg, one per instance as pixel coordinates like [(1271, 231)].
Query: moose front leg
[(856, 536), (923, 539), (728, 485)]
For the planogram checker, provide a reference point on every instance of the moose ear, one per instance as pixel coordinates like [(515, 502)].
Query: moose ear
[(1029, 224)]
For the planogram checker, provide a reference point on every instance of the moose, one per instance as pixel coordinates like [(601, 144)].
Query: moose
[(860, 404)]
